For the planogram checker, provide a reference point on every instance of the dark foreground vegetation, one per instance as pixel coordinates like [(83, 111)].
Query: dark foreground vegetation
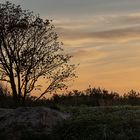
[(115, 117), (95, 114), (89, 97), (96, 97), (100, 123), (88, 123)]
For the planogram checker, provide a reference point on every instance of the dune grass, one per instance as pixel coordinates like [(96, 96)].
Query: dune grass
[(100, 123)]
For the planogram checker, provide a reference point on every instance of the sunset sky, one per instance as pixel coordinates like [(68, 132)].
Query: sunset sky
[(102, 35)]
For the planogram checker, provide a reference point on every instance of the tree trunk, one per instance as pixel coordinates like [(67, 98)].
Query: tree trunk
[(14, 91)]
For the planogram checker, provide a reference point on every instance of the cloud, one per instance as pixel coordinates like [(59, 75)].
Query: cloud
[(104, 34), (87, 55), (132, 32), (109, 57), (98, 22), (98, 31)]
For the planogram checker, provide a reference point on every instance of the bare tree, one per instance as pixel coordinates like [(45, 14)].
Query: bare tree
[(29, 50)]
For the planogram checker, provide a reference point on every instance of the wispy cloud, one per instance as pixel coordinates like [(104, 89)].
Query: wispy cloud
[(107, 47)]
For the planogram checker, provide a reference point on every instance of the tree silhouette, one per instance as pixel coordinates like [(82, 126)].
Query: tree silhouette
[(29, 50), (132, 97)]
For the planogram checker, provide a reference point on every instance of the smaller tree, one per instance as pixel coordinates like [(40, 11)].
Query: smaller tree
[(132, 97), (30, 51)]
